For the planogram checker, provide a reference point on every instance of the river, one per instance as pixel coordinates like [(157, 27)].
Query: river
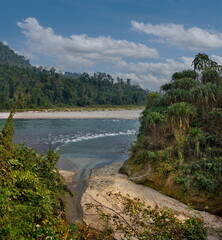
[(82, 144)]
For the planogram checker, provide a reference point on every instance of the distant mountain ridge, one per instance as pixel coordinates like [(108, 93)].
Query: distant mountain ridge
[(8, 56)]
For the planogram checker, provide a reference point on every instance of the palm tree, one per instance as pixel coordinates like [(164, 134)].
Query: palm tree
[(204, 96), (180, 90), (202, 62), (195, 135), (211, 75), (184, 74), (153, 122), (177, 95), (185, 83), (179, 116)]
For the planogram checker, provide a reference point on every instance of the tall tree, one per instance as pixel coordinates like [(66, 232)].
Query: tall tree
[(180, 115), (203, 62)]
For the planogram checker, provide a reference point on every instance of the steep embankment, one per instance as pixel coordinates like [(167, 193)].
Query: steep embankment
[(179, 146)]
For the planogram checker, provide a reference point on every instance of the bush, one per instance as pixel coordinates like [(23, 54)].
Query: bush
[(30, 192), (205, 174), (134, 220)]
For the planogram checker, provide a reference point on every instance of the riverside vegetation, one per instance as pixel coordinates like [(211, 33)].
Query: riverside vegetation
[(179, 146), (31, 193), (31, 205), (31, 188)]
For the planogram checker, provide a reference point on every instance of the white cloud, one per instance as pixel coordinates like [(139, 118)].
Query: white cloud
[(195, 39), (80, 50), (160, 68), (153, 75), (5, 43), (217, 58), (145, 80)]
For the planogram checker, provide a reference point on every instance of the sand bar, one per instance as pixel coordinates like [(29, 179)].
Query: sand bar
[(107, 179), (97, 114)]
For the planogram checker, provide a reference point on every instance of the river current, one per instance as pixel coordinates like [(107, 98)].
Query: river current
[(82, 144)]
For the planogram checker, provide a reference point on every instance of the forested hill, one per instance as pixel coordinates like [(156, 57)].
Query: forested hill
[(8, 56), (179, 145), (32, 87)]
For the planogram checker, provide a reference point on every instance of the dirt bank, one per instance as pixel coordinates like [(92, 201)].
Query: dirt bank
[(107, 179)]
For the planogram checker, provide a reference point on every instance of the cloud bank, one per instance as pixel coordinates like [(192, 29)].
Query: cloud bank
[(81, 49), (153, 75), (194, 39), (124, 58)]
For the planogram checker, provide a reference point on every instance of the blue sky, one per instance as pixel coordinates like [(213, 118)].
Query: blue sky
[(145, 40)]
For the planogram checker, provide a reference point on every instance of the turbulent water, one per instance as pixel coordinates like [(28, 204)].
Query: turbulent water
[(81, 144), (93, 138)]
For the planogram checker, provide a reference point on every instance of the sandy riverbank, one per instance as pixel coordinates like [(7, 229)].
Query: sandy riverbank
[(97, 114), (107, 179)]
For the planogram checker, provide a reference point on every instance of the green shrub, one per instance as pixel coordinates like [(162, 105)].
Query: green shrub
[(135, 220)]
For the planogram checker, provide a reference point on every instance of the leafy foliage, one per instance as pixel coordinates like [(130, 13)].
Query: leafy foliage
[(181, 127), (203, 62), (32, 87), (39, 88), (31, 190), (204, 174), (8, 56), (135, 220), (185, 74), (80, 231)]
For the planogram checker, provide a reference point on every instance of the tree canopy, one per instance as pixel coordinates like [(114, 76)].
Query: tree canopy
[(8, 56), (179, 142), (33, 87)]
